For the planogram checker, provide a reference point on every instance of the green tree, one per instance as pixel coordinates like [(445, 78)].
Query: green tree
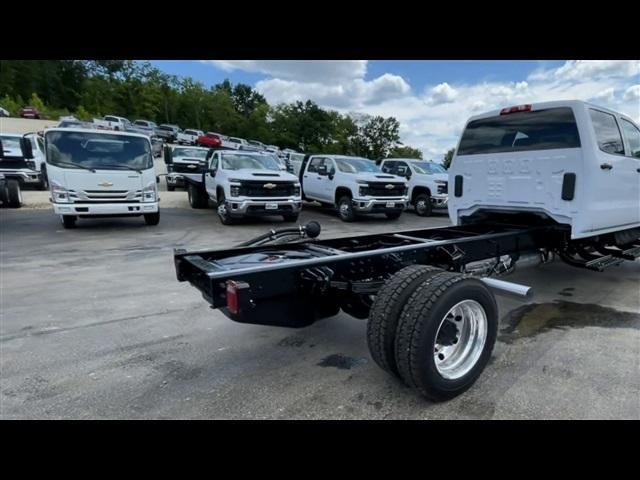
[(448, 157), (379, 136), (404, 151)]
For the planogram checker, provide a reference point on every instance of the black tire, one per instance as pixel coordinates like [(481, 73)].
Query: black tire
[(393, 215), (386, 310), (4, 193), (197, 197), (44, 182), (69, 221), (423, 205), (152, 218), (420, 323), (345, 209), (170, 188), (291, 217), (14, 195), (222, 211)]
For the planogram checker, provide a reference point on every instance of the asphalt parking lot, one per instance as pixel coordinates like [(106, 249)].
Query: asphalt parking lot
[(95, 325)]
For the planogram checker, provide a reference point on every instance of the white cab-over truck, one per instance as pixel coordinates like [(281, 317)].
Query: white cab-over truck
[(528, 184), (101, 174), (353, 186), (244, 184), (428, 182)]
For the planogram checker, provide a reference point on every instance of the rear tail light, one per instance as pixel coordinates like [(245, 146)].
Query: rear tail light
[(517, 108), (232, 296)]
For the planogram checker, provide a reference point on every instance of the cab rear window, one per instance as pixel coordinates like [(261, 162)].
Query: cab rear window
[(521, 131)]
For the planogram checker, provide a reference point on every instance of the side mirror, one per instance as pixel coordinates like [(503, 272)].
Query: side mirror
[(332, 173), (322, 170), (157, 179), (167, 155), (1, 150), (27, 149), (212, 172)]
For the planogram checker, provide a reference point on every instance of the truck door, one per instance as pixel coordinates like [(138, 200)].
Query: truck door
[(632, 137), (615, 189), (209, 177), (311, 180)]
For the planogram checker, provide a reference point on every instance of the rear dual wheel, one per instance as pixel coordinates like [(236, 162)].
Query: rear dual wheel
[(434, 329)]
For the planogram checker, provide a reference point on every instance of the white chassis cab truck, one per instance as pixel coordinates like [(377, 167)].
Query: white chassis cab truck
[(428, 182), (528, 184), (245, 184), (352, 185), (100, 173)]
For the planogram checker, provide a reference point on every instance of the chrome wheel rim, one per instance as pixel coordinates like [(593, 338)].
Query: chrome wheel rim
[(460, 339), (421, 206), (222, 210), (344, 209)]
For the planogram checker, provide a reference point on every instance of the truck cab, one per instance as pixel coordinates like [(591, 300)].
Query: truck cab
[(352, 185), (244, 183), (427, 182), (101, 174), (566, 162), (183, 161)]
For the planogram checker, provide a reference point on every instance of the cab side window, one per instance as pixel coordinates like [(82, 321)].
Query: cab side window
[(214, 162), (314, 164), (402, 169), (607, 132), (632, 134), (389, 167)]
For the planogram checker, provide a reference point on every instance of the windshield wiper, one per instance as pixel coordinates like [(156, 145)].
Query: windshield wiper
[(77, 165), (122, 166)]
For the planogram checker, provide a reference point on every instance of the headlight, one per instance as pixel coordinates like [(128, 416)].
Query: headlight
[(235, 190), (149, 193), (296, 190), (362, 182), (59, 193), (363, 191)]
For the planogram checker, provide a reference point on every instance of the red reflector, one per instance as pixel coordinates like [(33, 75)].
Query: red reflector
[(517, 108), (232, 296)]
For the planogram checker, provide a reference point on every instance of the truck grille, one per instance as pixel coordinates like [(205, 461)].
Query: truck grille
[(258, 189), (105, 196), (187, 168), (13, 163), (443, 188), (379, 189)]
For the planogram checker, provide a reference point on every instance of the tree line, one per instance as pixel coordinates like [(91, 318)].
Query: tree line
[(138, 90)]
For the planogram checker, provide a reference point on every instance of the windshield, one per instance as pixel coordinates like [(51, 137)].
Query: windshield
[(12, 143), (428, 168), (255, 162), (165, 127), (190, 152), (93, 150), (356, 165)]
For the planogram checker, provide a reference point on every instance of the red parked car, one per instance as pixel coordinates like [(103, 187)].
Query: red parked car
[(210, 140), (29, 112)]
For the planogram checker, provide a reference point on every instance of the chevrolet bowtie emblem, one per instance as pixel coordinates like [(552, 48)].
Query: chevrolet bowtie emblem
[(388, 186), (106, 183), (192, 166), (269, 185)]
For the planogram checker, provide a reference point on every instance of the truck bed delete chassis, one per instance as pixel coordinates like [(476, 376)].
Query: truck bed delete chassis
[(295, 284)]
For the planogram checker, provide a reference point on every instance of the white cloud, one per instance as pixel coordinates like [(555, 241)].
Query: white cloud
[(433, 119), (632, 93), (442, 93)]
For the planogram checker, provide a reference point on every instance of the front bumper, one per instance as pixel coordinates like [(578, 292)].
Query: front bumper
[(258, 207), (24, 175), (439, 201), (379, 205), (129, 208), (175, 180)]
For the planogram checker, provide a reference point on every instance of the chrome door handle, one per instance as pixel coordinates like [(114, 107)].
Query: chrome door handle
[(606, 166)]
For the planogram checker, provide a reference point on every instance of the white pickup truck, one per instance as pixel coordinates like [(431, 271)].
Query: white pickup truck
[(101, 174), (568, 162), (245, 184), (427, 182), (27, 171), (353, 186), (189, 136), (111, 122)]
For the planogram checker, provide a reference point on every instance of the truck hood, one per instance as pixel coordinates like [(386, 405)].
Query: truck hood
[(247, 174), (188, 160), (378, 177), (100, 180), (434, 176)]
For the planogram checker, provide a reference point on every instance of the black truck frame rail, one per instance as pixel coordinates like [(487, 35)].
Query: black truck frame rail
[(295, 284)]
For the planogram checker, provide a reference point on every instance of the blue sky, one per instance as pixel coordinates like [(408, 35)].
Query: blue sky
[(431, 99)]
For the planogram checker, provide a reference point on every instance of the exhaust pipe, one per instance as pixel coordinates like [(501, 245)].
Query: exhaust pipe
[(508, 287)]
